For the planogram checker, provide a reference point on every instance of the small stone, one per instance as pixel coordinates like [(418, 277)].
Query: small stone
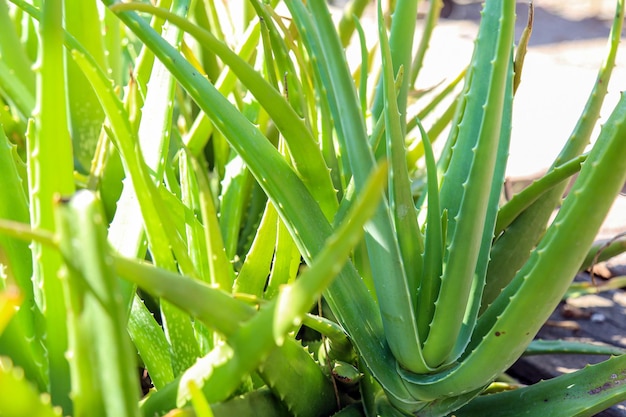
[(598, 317)]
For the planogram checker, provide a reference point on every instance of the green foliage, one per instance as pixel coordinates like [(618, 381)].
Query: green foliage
[(261, 226)]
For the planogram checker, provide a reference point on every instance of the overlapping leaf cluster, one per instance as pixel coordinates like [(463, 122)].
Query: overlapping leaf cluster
[(172, 207)]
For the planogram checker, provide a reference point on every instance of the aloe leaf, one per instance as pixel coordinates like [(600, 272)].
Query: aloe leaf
[(581, 393), (286, 368), (96, 314), (218, 373), (278, 63), (15, 91), (163, 239), (112, 40), (363, 69), (512, 250), (178, 328), (13, 54), (14, 206), (23, 348), (346, 25), (220, 269), (434, 10), (578, 289), (204, 16), (504, 330), (126, 229), (401, 48), (199, 403), (18, 397), (530, 194), (401, 201), (200, 131), (153, 347), (520, 53), (50, 151), (236, 187), (434, 245), (20, 339), (260, 402), (476, 169), (307, 224), (496, 191), (257, 266), (194, 229), (603, 250), (214, 307), (544, 347), (394, 296), (285, 263), (85, 113), (301, 143), (251, 404)]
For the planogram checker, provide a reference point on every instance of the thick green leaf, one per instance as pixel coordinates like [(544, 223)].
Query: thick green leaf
[(18, 397), (582, 393), (104, 379)]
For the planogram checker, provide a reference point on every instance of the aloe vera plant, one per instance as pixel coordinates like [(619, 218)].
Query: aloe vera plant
[(240, 145)]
